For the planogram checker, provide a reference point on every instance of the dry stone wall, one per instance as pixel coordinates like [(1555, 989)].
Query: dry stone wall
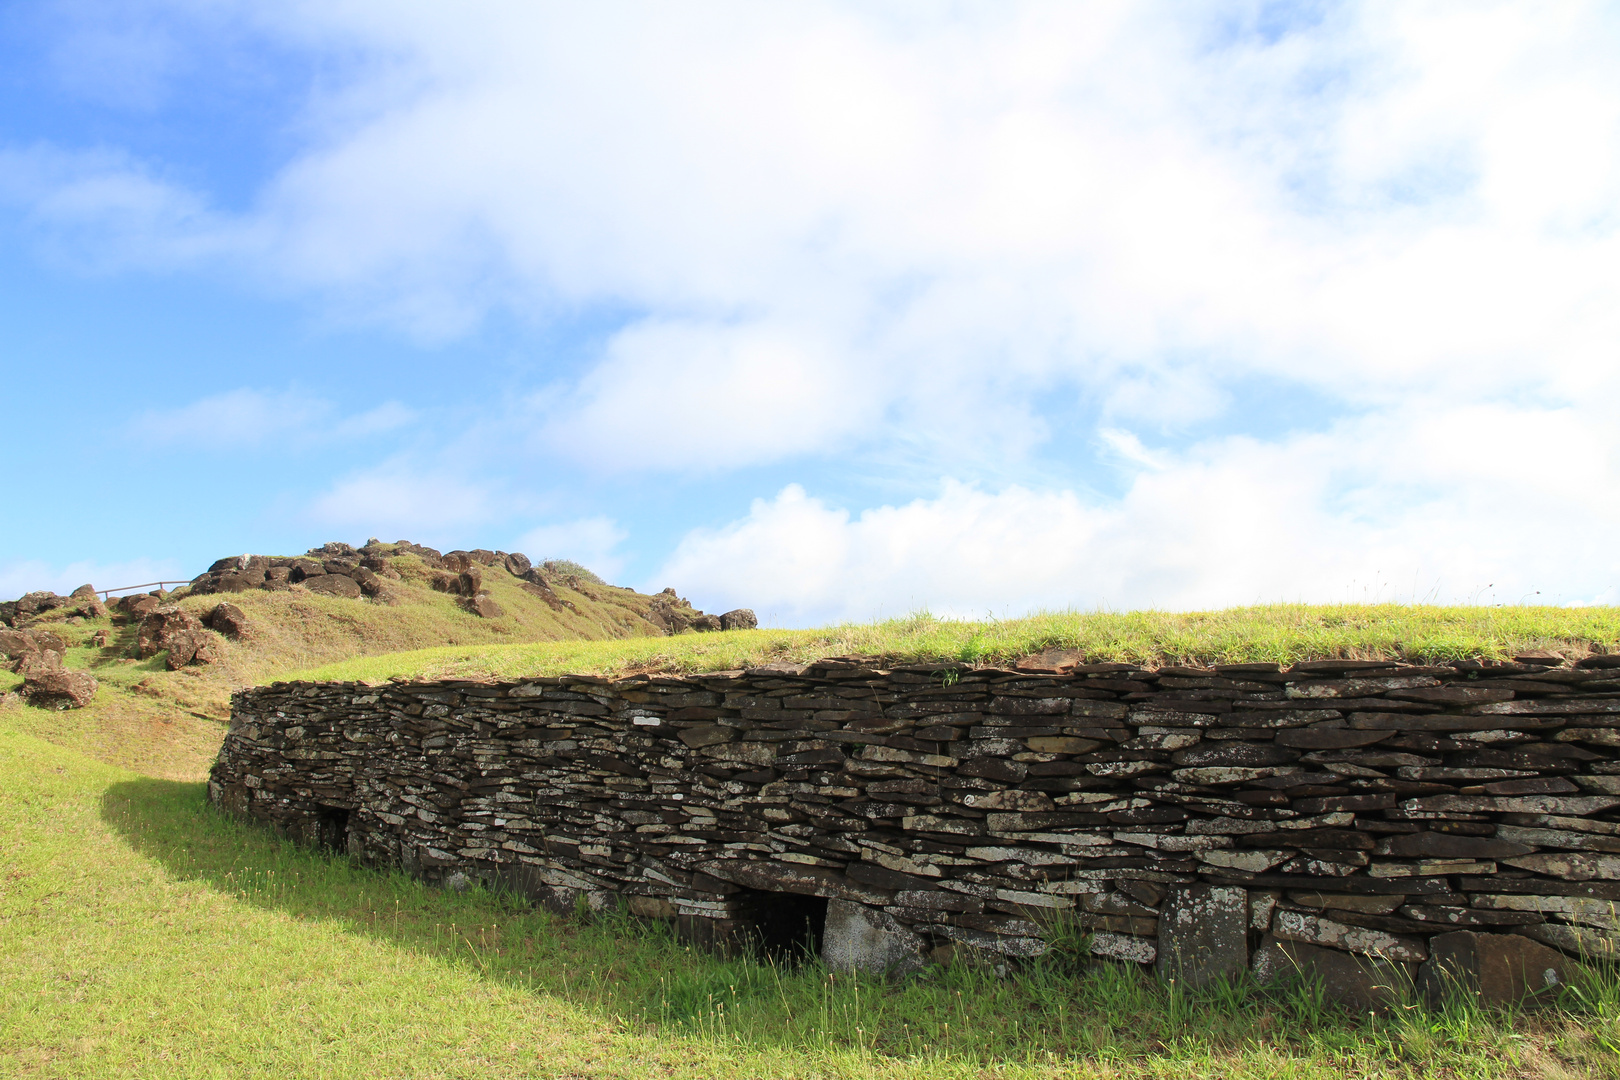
[(1369, 822)]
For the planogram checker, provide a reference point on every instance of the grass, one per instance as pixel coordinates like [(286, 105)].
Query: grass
[(142, 934), (1283, 633)]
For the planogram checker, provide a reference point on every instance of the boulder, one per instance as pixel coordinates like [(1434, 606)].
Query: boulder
[(1360, 984), (518, 564), (445, 582), (139, 605), (333, 548), (456, 561), (8, 611), (93, 608), (36, 603), (485, 557), (39, 662), (278, 578), (483, 606), (333, 585), (471, 581), (303, 567), (368, 581), (60, 689), (1496, 969), (47, 640), (706, 622), (158, 630), (15, 643), (84, 592), (738, 619), (536, 576), (191, 646), (241, 581), (228, 619)]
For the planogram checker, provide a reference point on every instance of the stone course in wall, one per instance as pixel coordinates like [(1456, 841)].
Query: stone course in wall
[(1372, 823)]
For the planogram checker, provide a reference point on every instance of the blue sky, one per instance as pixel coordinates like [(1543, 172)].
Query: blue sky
[(830, 310)]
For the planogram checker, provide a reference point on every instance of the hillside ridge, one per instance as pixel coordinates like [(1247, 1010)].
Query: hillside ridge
[(145, 680)]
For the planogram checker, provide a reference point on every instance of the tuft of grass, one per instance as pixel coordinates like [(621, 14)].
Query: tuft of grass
[(568, 568), (1281, 633)]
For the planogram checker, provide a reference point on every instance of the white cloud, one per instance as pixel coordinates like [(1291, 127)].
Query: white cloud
[(591, 542), (31, 575), (1481, 505), (867, 234), (245, 418), (891, 209)]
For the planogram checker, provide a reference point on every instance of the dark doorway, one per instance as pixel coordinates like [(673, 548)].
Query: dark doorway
[(332, 828), (785, 928)]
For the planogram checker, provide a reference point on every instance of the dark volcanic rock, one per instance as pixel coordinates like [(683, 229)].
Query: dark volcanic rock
[(160, 627), (60, 689), (518, 564), (738, 619), (483, 606), (192, 645), (333, 585), (228, 619)]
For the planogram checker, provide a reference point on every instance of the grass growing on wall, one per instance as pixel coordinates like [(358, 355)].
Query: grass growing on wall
[(142, 934), (1279, 632)]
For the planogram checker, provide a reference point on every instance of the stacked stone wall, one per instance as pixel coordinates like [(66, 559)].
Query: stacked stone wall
[(1373, 821)]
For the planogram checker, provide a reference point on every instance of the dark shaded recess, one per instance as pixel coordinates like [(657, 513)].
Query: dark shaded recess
[(784, 928), (332, 828)]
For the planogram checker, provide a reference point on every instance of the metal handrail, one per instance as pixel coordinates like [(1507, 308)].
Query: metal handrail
[(148, 585)]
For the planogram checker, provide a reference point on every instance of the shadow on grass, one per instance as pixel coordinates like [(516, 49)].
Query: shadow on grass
[(628, 971)]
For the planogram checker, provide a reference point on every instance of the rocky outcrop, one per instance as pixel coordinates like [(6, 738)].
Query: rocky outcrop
[(84, 603), (37, 656), (1349, 818), (59, 689), (739, 619), (180, 634)]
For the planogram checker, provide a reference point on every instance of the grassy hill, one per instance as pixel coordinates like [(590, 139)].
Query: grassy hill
[(170, 723)]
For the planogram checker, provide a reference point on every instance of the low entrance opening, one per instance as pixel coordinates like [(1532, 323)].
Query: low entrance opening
[(785, 928), (332, 828)]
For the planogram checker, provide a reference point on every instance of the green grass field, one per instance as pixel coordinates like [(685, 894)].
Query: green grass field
[(1276, 632), (144, 935)]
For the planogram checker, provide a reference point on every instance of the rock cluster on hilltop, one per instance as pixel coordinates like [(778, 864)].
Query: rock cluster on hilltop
[(346, 572), (83, 603), (338, 569)]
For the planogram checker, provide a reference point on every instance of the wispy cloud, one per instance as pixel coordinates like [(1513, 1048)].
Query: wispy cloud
[(251, 418)]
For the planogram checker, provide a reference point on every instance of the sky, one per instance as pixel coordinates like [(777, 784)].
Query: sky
[(837, 311)]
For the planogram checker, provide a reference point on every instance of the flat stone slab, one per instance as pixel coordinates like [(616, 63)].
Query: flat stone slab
[(1203, 934)]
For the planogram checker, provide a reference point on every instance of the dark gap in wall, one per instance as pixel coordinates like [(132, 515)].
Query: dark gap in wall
[(332, 828), (785, 928)]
